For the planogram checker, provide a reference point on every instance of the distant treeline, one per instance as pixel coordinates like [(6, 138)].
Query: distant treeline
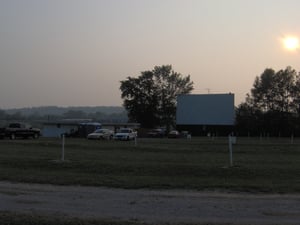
[(52, 113)]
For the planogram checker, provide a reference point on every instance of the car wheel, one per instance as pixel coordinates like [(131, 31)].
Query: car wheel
[(35, 136)]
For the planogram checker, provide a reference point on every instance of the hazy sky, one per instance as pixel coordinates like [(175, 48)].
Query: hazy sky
[(76, 52)]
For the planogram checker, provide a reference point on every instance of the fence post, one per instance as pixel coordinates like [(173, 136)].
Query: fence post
[(63, 148), (230, 150)]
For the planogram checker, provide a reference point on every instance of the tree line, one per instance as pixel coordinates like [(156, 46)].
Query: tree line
[(273, 105), (36, 118)]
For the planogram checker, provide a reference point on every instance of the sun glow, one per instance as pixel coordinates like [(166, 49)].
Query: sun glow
[(291, 43)]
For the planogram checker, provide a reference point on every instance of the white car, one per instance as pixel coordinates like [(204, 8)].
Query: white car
[(101, 134), (125, 134)]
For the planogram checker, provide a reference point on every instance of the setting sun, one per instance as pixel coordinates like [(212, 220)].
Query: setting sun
[(291, 43)]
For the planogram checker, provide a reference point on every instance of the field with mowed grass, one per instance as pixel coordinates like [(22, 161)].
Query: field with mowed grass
[(267, 165)]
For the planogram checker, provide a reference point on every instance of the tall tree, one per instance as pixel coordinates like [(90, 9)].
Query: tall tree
[(150, 99), (275, 91), (273, 105)]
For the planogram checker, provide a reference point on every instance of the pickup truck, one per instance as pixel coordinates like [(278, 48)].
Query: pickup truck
[(23, 130)]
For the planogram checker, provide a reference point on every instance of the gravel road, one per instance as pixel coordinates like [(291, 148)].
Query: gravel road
[(151, 206)]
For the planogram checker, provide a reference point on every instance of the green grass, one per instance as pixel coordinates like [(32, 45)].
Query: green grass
[(10, 218), (271, 165)]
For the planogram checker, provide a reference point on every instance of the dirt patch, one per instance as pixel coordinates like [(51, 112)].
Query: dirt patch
[(151, 206)]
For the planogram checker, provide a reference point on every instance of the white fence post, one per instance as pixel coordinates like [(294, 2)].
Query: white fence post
[(63, 148), (231, 141)]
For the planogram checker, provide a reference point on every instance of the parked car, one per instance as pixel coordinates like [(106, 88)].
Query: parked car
[(101, 134), (22, 130), (173, 134), (156, 133), (186, 134), (125, 134)]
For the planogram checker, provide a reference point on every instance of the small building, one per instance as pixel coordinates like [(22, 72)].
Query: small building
[(73, 128), (206, 114), (79, 127)]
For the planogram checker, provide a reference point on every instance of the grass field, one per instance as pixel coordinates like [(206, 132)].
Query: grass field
[(10, 218), (270, 165)]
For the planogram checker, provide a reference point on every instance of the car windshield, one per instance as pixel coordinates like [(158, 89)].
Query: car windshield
[(99, 131), (124, 131)]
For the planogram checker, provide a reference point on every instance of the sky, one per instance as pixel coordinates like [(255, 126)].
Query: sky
[(76, 52)]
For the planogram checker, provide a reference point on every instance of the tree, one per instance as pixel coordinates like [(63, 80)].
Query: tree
[(275, 91), (273, 105), (150, 99), (247, 121)]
